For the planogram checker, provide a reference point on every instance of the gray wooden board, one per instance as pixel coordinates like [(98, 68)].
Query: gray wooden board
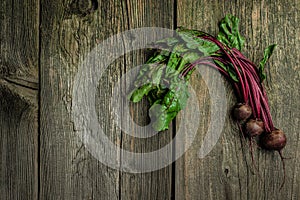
[(156, 184), (68, 170), (69, 32), (227, 171), (18, 99)]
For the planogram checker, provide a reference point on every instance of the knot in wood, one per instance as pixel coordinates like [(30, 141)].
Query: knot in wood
[(83, 7), (226, 172)]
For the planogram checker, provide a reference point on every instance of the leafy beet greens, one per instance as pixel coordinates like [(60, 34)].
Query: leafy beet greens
[(164, 81), (164, 77)]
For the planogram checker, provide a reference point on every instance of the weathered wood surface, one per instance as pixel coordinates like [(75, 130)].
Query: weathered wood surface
[(19, 46), (227, 172), (68, 34), (57, 35)]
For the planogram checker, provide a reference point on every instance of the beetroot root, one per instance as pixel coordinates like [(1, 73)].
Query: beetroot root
[(254, 127), (242, 111), (276, 140)]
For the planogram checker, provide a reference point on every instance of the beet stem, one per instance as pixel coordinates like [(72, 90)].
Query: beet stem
[(224, 48), (243, 73), (249, 87)]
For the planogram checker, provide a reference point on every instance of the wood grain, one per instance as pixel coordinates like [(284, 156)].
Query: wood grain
[(68, 171), (156, 184), (18, 99), (227, 172), (47, 40)]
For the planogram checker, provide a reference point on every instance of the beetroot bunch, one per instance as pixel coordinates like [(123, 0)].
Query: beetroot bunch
[(160, 80), (253, 111)]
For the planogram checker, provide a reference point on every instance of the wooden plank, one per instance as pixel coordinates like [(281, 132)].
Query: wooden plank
[(18, 99), (154, 184), (227, 172), (70, 30)]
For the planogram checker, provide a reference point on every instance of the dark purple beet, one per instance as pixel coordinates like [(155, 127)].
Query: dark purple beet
[(242, 111), (276, 140), (254, 127)]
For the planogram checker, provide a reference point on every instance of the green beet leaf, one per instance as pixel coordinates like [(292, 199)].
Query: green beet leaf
[(267, 54), (160, 78), (139, 93), (193, 41), (229, 32), (163, 111)]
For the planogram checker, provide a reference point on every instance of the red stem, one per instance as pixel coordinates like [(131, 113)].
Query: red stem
[(223, 48), (249, 87), (243, 73)]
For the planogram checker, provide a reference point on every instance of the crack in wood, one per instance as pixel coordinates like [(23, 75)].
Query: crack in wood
[(22, 83)]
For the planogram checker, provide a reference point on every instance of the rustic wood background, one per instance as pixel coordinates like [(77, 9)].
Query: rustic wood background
[(41, 157)]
